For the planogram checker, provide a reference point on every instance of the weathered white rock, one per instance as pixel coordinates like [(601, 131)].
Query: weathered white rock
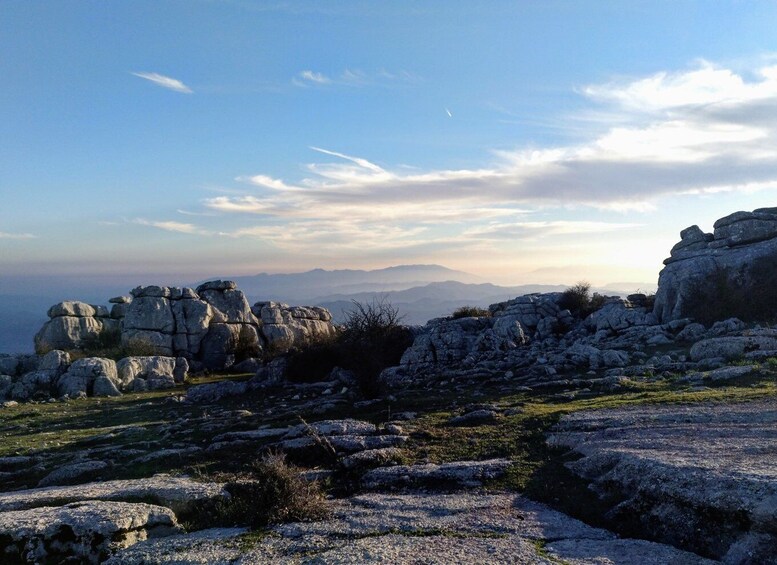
[(81, 375), (742, 251), (284, 325), (732, 347), (177, 493), (86, 531), (73, 473), (131, 368), (74, 325), (460, 473), (702, 476), (332, 428)]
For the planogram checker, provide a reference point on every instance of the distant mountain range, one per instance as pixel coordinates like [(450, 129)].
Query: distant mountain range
[(321, 282), (420, 292)]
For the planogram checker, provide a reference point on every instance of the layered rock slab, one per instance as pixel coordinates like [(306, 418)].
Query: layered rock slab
[(701, 476), (179, 494), (83, 531), (417, 528)]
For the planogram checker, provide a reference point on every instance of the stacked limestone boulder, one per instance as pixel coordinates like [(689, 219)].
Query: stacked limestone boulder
[(475, 341), (284, 325), (212, 327), (28, 377), (165, 321), (31, 377), (740, 255), (74, 325)]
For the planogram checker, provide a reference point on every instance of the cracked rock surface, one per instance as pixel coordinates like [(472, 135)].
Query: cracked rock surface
[(703, 477), (87, 531), (416, 528)]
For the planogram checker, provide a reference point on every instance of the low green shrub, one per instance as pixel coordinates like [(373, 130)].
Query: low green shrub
[(471, 312), (579, 300)]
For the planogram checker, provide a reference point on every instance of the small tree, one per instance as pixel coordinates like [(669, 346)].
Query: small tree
[(579, 300), (373, 338)]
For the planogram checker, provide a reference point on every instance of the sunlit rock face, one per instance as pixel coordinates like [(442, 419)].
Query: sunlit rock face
[(213, 327), (730, 272), (74, 325)]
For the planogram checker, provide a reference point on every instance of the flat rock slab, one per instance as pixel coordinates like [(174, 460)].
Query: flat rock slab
[(458, 473), (701, 476), (416, 528), (87, 531), (176, 493)]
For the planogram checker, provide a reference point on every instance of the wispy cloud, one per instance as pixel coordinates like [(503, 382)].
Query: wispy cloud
[(699, 131), (8, 235), (179, 227), (354, 78), (313, 77), (165, 82)]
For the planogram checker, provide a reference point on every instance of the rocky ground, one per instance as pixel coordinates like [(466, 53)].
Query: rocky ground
[(476, 473)]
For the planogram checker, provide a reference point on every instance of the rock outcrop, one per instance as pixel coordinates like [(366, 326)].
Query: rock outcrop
[(532, 335), (75, 325), (729, 272), (212, 327), (701, 477), (284, 325)]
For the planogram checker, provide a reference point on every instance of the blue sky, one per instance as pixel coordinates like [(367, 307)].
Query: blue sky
[(523, 141)]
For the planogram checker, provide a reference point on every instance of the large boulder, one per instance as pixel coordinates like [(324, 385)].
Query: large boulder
[(283, 326), (730, 272), (76, 325), (131, 368), (80, 378), (166, 321)]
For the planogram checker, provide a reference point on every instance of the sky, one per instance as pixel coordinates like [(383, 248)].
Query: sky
[(525, 142)]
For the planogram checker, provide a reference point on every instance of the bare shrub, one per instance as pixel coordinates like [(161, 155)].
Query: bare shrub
[(272, 492), (373, 339)]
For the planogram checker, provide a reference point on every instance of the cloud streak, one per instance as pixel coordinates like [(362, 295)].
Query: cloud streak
[(165, 82), (353, 78), (172, 226), (699, 131), (8, 235)]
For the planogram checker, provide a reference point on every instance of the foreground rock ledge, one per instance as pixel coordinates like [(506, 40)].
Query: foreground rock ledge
[(86, 531), (417, 528), (702, 477), (180, 494)]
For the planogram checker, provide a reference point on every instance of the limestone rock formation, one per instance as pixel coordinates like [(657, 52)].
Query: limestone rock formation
[(729, 272), (700, 476), (284, 325), (212, 327), (84, 531), (73, 325), (131, 369), (82, 378)]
